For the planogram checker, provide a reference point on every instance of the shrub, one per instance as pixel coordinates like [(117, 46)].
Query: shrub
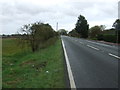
[(36, 34), (99, 37), (108, 38)]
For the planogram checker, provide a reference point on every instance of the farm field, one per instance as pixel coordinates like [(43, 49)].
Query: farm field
[(23, 69)]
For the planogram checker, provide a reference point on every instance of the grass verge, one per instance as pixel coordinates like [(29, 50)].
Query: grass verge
[(24, 69)]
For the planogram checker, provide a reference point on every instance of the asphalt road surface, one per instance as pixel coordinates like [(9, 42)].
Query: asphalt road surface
[(93, 64)]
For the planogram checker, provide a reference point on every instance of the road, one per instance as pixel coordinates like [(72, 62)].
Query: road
[(93, 64)]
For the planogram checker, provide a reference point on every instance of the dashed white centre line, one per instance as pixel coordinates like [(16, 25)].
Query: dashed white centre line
[(92, 47), (114, 55), (78, 41), (81, 42)]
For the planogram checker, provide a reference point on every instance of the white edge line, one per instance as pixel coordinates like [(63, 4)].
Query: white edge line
[(72, 82), (93, 47), (114, 56)]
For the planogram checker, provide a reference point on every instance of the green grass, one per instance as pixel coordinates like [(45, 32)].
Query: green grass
[(24, 69)]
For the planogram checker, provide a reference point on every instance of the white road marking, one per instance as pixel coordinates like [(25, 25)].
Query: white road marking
[(92, 47), (114, 56), (99, 43), (81, 42), (72, 82), (78, 41)]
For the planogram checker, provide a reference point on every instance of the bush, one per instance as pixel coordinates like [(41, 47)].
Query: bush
[(73, 33), (35, 34), (99, 37), (108, 38), (94, 31), (94, 38)]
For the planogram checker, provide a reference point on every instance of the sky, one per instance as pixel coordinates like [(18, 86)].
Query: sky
[(16, 13)]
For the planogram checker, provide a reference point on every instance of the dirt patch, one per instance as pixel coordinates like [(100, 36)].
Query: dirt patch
[(28, 62), (39, 66), (18, 80)]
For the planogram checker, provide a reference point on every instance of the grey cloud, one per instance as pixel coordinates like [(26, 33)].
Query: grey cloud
[(18, 13), (31, 9), (20, 8)]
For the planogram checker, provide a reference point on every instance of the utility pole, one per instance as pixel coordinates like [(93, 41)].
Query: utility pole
[(119, 10), (57, 26), (117, 28)]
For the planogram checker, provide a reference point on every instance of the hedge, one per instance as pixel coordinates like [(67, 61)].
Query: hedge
[(108, 38)]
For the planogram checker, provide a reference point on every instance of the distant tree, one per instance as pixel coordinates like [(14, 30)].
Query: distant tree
[(82, 26), (62, 32), (73, 33), (94, 31), (116, 24), (102, 27), (35, 34), (3, 35)]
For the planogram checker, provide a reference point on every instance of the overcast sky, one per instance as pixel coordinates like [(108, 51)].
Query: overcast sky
[(15, 13)]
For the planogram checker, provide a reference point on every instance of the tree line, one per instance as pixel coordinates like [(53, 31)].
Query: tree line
[(35, 34), (82, 30)]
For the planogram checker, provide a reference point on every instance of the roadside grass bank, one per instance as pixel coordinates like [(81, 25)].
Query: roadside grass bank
[(23, 69)]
